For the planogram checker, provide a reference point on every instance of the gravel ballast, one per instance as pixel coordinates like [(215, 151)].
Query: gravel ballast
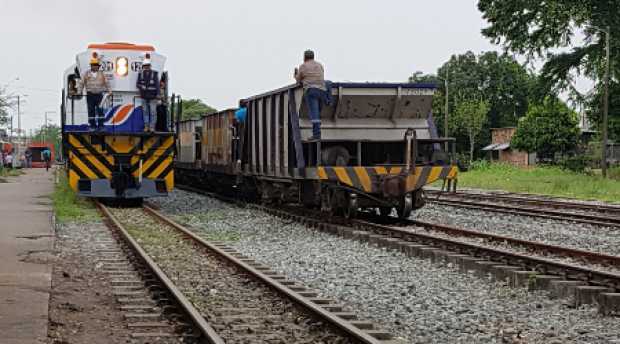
[(417, 300), (554, 232)]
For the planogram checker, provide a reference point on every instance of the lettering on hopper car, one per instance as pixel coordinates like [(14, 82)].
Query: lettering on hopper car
[(419, 92)]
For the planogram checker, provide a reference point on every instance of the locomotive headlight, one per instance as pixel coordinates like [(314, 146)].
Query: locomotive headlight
[(122, 66)]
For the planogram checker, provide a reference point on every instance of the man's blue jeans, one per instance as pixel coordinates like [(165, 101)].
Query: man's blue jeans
[(149, 113), (315, 98)]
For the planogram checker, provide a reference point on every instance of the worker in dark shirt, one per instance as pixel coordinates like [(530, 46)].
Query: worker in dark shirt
[(148, 85)]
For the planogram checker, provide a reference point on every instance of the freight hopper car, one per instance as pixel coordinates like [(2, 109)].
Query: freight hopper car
[(378, 149), (119, 159)]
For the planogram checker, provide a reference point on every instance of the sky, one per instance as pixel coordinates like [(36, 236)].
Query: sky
[(222, 51)]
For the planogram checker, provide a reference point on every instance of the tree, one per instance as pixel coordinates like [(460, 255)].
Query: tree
[(496, 78), (5, 104), (470, 117), (594, 112), (194, 108), (539, 28), (420, 77), (548, 128)]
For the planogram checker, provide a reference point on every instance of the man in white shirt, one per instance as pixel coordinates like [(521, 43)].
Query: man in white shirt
[(312, 77)]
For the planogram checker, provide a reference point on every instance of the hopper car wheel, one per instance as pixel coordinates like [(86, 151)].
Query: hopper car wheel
[(327, 202), (351, 206), (385, 211), (405, 206)]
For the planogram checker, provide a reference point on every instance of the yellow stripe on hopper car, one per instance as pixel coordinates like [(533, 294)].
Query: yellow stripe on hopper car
[(395, 170), (341, 172), (363, 177), (321, 173), (434, 174), (381, 170), (453, 172)]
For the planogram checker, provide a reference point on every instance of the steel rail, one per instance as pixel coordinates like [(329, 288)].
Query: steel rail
[(210, 335), (318, 311), (592, 257), (532, 212), (537, 263), (531, 199)]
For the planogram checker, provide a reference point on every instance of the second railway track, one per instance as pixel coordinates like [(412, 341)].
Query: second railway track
[(594, 214), (234, 299)]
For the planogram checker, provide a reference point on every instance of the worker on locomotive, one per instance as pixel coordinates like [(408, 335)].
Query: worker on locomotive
[(148, 85), (95, 84)]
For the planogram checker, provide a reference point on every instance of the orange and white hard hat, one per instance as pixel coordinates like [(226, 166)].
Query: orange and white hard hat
[(94, 60)]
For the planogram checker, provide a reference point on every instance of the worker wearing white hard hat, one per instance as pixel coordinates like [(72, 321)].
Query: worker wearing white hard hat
[(148, 85)]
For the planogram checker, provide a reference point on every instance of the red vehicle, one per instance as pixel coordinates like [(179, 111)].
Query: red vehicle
[(5, 147), (37, 149)]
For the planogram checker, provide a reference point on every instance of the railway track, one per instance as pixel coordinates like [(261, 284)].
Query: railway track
[(592, 285), (229, 298), (600, 215), (153, 305)]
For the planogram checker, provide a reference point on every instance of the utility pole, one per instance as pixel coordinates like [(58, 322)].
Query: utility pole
[(19, 120), (445, 117), (605, 104), (44, 129)]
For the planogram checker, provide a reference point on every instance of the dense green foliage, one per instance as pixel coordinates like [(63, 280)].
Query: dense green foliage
[(544, 180), (195, 108), (548, 128), (594, 108), (470, 117), (538, 28), (498, 79)]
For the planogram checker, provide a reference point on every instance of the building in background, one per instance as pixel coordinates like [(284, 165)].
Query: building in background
[(499, 149)]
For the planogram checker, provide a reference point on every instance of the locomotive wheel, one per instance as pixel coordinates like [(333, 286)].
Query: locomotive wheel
[(385, 211), (405, 207), (350, 208)]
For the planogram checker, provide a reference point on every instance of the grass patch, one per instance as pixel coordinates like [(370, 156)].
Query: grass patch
[(68, 206), (10, 172), (542, 180)]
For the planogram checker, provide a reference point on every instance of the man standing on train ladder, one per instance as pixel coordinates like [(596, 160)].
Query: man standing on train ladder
[(312, 77), (148, 84)]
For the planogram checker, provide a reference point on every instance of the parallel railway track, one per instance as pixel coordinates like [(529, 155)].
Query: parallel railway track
[(245, 317), (600, 215), (396, 234)]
